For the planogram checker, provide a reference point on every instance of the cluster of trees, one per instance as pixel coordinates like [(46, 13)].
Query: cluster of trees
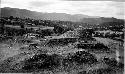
[(58, 28), (86, 33), (15, 32), (109, 35), (114, 26)]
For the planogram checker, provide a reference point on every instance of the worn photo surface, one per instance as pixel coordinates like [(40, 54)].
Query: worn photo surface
[(62, 36)]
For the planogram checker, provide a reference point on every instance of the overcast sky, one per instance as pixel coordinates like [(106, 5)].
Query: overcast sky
[(113, 8)]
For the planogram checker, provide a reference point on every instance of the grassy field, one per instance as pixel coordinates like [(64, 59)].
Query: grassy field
[(12, 58)]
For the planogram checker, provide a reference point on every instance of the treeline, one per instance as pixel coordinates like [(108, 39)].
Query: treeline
[(58, 28)]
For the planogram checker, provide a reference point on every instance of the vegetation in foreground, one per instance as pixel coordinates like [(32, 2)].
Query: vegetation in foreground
[(56, 50)]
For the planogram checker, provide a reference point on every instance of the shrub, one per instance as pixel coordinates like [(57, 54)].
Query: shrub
[(81, 57), (84, 57), (42, 61), (103, 71), (82, 72), (112, 62)]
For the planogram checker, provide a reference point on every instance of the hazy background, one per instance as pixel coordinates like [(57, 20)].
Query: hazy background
[(109, 8)]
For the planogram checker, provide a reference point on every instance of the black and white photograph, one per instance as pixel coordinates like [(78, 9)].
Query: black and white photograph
[(62, 36)]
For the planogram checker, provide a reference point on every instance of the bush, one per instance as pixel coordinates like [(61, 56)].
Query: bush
[(103, 71), (98, 46), (112, 62), (82, 72), (61, 41), (81, 57), (84, 57), (42, 61)]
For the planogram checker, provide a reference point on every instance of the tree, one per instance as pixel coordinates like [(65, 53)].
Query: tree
[(2, 21), (11, 17), (58, 29), (22, 26)]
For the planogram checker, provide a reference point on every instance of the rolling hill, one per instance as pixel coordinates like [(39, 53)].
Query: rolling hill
[(93, 20), (39, 15)]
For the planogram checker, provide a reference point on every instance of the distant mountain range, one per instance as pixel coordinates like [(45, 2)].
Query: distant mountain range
[(54, 16)]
